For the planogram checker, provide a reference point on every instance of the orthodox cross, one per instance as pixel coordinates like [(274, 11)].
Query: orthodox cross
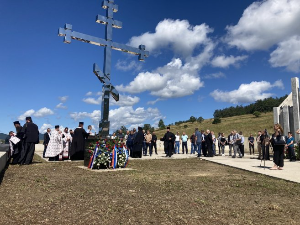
[(108, 45)]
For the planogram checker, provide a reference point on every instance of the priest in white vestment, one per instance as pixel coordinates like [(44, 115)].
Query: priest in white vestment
[(67, 140), (55, 145)]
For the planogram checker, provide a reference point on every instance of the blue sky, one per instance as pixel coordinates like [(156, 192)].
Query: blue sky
[(204, 55)]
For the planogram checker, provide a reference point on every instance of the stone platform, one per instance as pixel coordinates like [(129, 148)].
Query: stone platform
[(3, 156)]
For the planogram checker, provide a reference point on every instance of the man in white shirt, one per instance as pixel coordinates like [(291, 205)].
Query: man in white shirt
[(184, 139)]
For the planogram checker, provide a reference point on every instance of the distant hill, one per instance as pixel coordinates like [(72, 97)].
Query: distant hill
[(3, 136), (245, 123)]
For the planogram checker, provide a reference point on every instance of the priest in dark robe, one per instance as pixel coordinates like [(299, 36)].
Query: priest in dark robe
[(169, 142), (138, 144), (78, 144), (209, 143), (31, 138), (17, 153)]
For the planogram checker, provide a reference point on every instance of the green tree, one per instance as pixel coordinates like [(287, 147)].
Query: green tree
[(216, 121), (147, 127), (192, 119), (122, 128), (200, 119), (161, 124), (256, 114)]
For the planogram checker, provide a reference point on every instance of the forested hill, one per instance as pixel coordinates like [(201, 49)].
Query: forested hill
[(265, 105)]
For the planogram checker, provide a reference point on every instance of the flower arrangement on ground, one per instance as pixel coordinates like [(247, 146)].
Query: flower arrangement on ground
[(108, 154)]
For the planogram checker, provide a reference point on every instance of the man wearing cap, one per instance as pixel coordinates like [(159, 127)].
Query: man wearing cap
[(17, 153), (55, 145), (169, 140), (78, 143), (31, 137)]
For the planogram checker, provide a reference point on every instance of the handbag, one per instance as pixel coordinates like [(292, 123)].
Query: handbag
[(279, 140)]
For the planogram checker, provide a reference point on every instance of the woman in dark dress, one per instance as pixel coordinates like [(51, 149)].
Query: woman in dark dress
[(278, 149)]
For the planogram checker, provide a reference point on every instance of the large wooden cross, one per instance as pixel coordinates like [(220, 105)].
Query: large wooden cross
[(108, 45)]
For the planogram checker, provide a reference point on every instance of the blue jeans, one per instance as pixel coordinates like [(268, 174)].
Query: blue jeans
[(198, 148), (214, 149), (177, 146), (193, 148)]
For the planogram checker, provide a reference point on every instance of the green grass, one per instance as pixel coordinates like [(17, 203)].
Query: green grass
[(246, 123)]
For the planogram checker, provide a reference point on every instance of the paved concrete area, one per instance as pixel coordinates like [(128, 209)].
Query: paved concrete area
[(290, 172)]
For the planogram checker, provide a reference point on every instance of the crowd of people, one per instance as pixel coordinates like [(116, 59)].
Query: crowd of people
[(69, 144), (58, 145)]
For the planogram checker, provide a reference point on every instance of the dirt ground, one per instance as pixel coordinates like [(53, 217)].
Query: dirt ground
[(187, 191)]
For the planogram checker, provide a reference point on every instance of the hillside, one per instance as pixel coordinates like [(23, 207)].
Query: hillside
[(3, 136), (245, 123)]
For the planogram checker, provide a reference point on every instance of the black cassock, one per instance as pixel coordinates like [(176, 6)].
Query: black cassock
[(78, 144), (138, 145), (31, 137), (209, 143), (169, 140)]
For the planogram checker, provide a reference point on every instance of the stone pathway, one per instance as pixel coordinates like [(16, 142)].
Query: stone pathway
[(290, 172)]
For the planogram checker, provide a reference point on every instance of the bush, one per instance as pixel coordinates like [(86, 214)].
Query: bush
[(216, 121), (297, 152), (256, 114), (185, 126)]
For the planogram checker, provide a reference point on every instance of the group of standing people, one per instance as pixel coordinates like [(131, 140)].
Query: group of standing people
[(139, 142), (22, 142), (60, 145)]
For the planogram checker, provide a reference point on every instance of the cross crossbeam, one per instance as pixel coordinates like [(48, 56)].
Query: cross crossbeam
[(68, 35), (109, 45)]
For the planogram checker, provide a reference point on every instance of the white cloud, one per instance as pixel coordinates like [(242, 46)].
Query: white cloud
[(126, 66), (43, 112), (172, 80), (247, 93), (61, 106), (154, 102), (26, 114), (124, 100), (44, 128), (287, 54), (226, 61), (264, 24), (126, 116), (94, 116), (93, 101), (63, 98), (180, 76), (89, 93), (214, 76), (182, 37)]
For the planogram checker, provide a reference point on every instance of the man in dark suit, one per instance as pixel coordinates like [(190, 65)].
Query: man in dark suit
[(31, 137), (46, 140)]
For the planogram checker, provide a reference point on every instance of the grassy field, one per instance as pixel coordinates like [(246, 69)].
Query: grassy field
[(246, 123), (187, 191)]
